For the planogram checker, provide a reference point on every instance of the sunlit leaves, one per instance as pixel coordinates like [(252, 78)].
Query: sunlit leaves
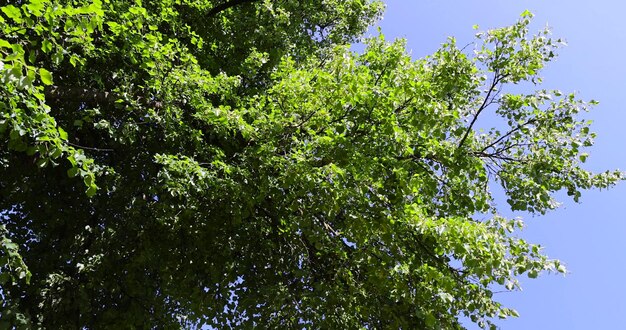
[(46, 76), (198, 163)]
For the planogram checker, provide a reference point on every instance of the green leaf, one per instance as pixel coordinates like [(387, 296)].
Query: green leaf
[(91, 191), (46, 76), (62, 134), (42, 162), (72, 172), (46, 46), (5, 277), (430, 320), (277, 162), (10, 245), (13, 13)]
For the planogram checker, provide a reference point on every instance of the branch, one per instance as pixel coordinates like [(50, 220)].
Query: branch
[(530, 121), (404, 105), (382, 73), (498, 156), (486, 102), (90, 148), (226, 5)]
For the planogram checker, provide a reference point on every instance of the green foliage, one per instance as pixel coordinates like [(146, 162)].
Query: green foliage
[(176, 163)]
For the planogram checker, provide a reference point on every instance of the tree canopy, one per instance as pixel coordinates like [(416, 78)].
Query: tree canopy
[(180, 163)]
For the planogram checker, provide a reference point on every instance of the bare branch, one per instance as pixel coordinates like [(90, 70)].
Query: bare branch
[(498, 156), (90, 148), (497, 78), (530, 121)]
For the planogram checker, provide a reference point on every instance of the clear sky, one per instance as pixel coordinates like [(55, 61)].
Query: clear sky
[(589, 237)]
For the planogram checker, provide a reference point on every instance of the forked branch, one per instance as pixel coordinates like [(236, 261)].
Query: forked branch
[(497, 78)]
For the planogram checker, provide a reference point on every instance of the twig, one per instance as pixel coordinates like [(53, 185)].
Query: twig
[(496, 80), (90, 148), (530, 121)]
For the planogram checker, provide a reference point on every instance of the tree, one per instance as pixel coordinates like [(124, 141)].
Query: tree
[(177, 163)]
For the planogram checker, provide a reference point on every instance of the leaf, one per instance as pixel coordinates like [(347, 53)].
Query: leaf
[(13, 13), (42, 162), (46, 46), (72, 172), (526, 13), (338, 178), (91, 191), (430, 320), (46, 76), (62, 134), (10, 245), (4, 278)]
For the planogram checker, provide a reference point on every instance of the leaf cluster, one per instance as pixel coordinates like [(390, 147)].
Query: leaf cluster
[(181, 163)]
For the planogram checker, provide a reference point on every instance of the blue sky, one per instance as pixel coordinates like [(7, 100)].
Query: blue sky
[(590, 238)]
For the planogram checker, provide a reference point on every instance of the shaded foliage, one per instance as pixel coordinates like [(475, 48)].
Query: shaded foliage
[(177, 163)]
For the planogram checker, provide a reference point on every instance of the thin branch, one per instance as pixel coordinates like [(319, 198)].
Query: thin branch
[(497, 156), (382, 73), (433, 174), (305, 120), (90, 148), (509, 147), (496, 80), (530, 121), (404, 105)]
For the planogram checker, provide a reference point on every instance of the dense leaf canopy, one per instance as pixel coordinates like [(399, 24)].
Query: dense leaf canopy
[(179, 163)]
